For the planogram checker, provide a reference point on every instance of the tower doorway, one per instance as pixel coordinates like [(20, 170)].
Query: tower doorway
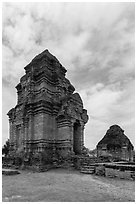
[(77, 137)]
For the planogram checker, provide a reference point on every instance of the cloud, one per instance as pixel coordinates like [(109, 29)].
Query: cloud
[(94, 41), (107, 106), (8, 102)]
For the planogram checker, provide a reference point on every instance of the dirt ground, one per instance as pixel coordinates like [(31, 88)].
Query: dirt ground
[(65, 186)]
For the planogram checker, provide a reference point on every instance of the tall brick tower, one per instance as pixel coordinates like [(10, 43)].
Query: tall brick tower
[(49, 117)]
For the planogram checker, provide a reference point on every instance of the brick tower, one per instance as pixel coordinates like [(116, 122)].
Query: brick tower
[(49, 117)]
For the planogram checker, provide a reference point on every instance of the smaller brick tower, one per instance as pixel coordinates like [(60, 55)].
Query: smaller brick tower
[(116, 144)]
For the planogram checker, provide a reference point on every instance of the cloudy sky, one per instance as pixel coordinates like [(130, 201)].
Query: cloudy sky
[(94, 41)]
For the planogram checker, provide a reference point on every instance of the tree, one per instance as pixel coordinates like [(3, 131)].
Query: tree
[(5, 148), (93, 153)]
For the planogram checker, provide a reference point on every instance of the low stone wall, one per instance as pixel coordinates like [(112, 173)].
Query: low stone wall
[(116, 173), (121, 167), (115, 170)]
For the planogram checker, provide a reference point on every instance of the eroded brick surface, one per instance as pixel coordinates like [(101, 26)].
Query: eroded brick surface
[(49, 117)]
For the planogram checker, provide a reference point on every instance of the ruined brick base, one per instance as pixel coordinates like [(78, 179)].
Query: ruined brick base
[(40, 161)]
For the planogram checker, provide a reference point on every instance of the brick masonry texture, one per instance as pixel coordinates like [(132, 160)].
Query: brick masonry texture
[(49, 117)]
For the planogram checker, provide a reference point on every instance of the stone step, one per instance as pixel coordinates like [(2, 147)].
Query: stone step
[(10, 172), (88, 166), (87, 171)]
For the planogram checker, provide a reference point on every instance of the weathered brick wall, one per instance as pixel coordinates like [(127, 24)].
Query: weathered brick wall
[(64, 133), (47, 110), (38, 126), (48, 127)]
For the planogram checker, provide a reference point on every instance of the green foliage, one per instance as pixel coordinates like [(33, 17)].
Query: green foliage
[(85, 151), (5, 148), (20, 152)]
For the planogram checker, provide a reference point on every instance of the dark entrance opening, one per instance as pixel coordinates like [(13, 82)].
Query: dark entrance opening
[(77, 138)]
